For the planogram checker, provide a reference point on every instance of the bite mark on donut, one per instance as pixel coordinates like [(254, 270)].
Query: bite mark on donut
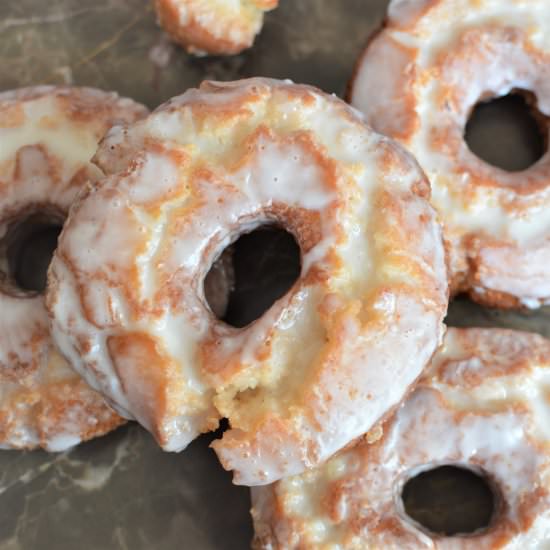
[(259, 152)]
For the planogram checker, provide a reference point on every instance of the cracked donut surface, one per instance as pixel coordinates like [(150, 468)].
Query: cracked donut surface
[(48, 136), (418, 81), (219, 27), (331, 356), (482, 404)]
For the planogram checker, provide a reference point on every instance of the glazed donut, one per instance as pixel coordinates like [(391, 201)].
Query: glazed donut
[(482, 405), (216, 27), (330, 357), (418, 81), (48, 136)]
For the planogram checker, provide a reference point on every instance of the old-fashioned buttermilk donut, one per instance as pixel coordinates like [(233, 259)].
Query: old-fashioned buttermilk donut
[(329, 358), (48, 136), (418, 81), (218, 27), (482, 405)]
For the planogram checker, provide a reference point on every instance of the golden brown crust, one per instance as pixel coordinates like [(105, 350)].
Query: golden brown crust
[(49, 407), (230, 157), (48, 137), (210, 26), (426, 65), (482, 386)]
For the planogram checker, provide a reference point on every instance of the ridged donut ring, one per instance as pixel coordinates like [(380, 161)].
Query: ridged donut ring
[(418, 81), (48, 136), (215, 27), (329, 358), (481, 405)]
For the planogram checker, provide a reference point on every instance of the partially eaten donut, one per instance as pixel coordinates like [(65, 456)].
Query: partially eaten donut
[(329, 358), (218, 27)]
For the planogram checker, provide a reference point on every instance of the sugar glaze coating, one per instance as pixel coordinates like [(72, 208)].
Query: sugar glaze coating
[(418, 81), (329, 358), (48, 136), (483, 404)]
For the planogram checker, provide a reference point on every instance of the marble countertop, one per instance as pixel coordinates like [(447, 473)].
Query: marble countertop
[(121, 491)]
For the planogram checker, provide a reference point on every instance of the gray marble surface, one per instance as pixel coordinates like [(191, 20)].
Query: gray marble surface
[(116, 44), (121, 491)]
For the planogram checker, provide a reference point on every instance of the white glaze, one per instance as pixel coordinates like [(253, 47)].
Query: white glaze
[(512, 227), (482, 403), (296, 151), (47, 133)]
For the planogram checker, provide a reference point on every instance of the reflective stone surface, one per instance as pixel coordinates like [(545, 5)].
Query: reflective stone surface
[(121, 491)]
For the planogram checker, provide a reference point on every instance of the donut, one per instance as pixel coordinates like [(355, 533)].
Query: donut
[(48, 136), (331, 356), (214, 27), (482, 405), (418, 81)]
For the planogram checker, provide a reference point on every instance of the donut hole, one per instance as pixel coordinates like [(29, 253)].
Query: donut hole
[(449, 500), (252, 274), (26, 251), (508, 132)]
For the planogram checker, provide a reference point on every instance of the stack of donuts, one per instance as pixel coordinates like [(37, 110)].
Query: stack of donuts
[(349, 386)]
